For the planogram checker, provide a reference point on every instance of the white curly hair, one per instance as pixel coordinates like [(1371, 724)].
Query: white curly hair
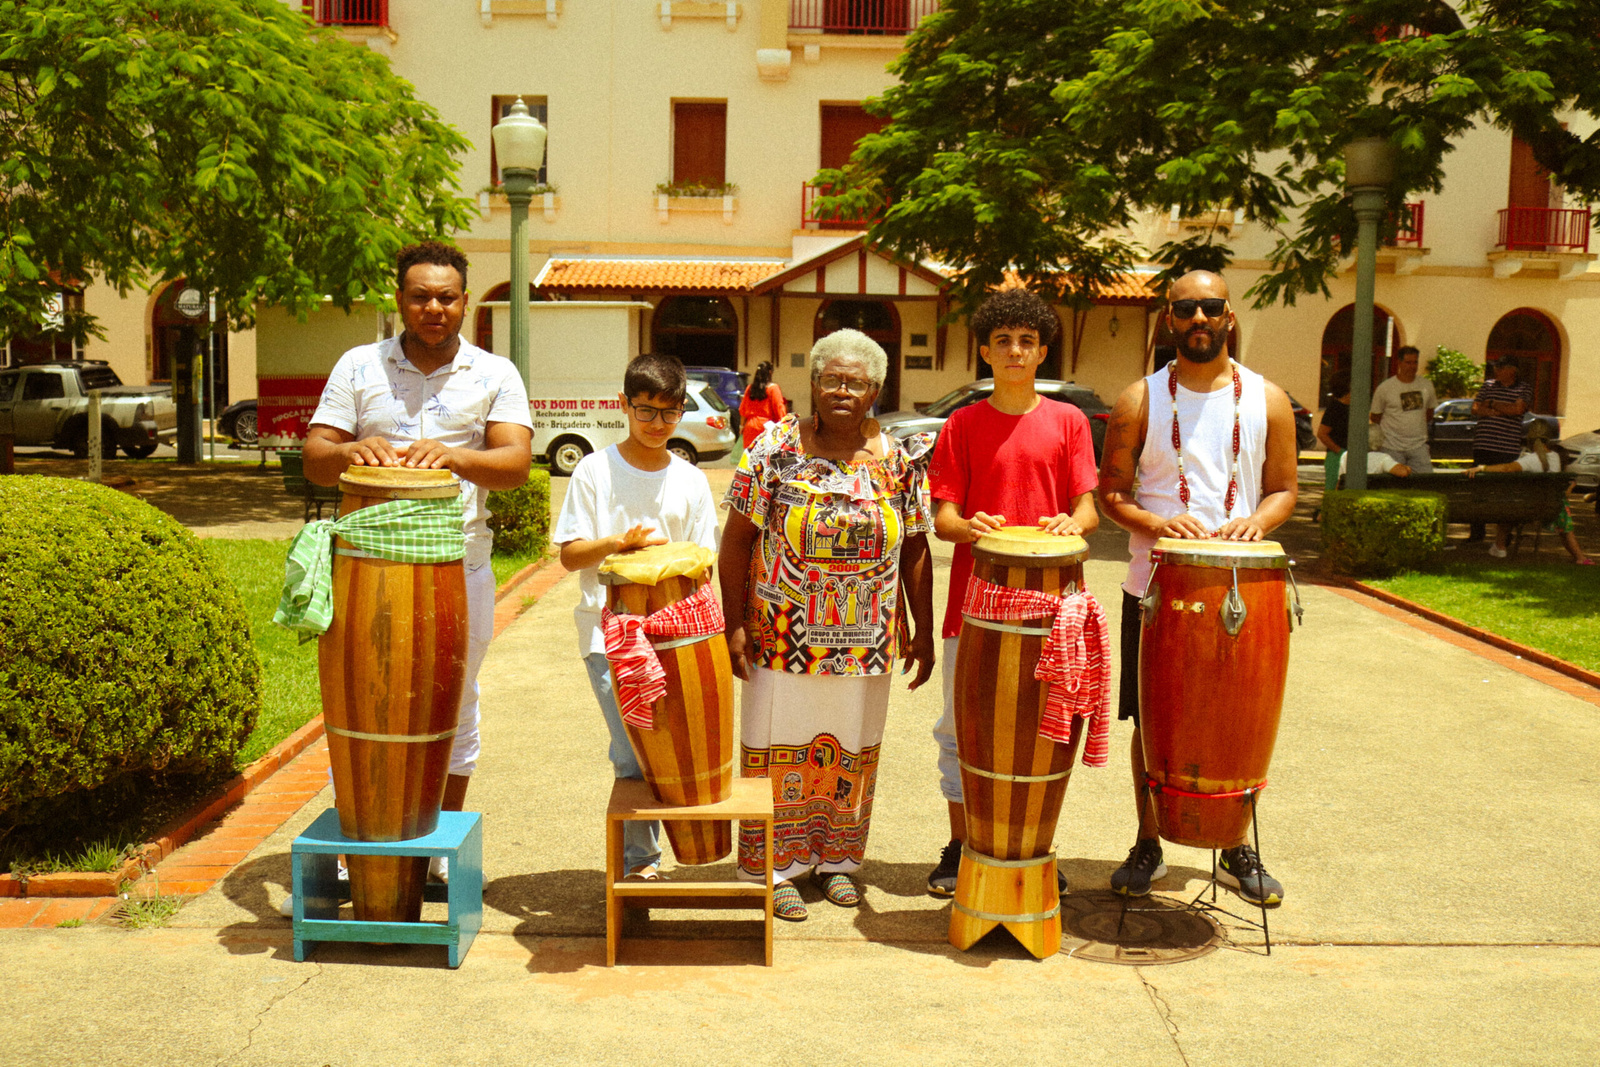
[(851, 344)]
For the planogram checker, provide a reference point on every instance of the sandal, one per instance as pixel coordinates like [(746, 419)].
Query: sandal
[(786, 903), (839, 889), (647, 873)]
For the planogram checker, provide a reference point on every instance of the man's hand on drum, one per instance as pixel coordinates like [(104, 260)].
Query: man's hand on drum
[(428, 454), (737, 641), (1247, 529), (1062, 525), (1185, 526), (640, 536), (374, 452), (920, 653), (982, 524)]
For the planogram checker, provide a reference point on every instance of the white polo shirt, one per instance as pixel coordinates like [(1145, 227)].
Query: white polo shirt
[(374, 391)]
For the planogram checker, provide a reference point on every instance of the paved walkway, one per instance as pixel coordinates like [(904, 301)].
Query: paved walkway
[(1430, 814)]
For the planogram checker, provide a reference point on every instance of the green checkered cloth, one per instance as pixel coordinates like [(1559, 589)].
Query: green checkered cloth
[(407, 531)]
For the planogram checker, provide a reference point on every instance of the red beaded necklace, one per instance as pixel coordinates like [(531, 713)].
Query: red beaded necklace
[(1177, 444)]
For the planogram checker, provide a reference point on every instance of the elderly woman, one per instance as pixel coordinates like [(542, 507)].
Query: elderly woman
[(825, 551)]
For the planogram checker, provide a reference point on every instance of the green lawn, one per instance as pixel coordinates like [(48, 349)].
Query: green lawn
[(1548, 606)]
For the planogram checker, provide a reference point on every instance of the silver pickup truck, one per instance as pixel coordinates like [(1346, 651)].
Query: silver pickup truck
[(48, 404)]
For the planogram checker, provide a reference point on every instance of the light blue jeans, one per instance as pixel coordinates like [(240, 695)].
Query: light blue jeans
[(945, 731), (641, 841), (1417, 458)]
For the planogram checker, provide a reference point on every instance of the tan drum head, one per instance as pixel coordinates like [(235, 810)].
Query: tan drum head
[(1215, 552), (649, 566), (400, 483), (1030, 546)]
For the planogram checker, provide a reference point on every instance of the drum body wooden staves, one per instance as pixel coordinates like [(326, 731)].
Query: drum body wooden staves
[(1013, 780), (392, 667), (687, 755), (1210, 699)]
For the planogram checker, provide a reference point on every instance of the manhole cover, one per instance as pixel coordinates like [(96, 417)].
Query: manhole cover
[(1154, 931)]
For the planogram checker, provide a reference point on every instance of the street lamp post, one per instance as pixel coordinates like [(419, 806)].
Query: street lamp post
[(519, 149), (1368, 170)]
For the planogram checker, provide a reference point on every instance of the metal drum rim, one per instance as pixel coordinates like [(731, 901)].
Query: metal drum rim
[(1220, 562)]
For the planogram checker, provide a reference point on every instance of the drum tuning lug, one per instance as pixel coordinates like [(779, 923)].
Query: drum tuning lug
[(1296, 608), (1233, 612), (1150, 603)]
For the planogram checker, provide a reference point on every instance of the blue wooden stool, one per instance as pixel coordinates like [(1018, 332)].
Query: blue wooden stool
[(315, 885)]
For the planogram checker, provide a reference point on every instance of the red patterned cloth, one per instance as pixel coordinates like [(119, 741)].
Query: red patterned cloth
[(1076, 662), (641, 680)]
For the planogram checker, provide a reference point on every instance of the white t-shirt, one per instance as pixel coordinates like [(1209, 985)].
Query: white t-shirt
[(1529, 461), (374, 391), (1404, 407), (607, 496), (1377, 463)]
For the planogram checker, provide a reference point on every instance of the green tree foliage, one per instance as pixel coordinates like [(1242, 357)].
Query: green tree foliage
[(226, 141), (1454, 373), (1030, 133)]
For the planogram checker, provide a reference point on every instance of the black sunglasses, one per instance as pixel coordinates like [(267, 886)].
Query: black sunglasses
[(1212, 306)]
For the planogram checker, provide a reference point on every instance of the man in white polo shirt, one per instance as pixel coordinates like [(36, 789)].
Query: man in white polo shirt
[(429, 399)]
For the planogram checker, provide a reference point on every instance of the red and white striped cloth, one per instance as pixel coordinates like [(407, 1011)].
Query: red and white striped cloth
[(1075, 663), (641, 680)]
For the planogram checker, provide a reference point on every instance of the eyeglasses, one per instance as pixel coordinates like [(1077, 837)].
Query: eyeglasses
[(854, 386), (1185, 309), (646, 413)]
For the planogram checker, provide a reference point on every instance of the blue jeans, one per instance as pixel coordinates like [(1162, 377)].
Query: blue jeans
[(641, 841), (944, 731)]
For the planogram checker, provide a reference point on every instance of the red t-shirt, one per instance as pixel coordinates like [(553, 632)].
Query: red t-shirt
[(1019, 466)]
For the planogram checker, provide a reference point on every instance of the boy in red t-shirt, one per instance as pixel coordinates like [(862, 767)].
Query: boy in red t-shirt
[(1015, 459)]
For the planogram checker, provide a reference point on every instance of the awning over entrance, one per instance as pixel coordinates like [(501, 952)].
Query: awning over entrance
[(575, 276)]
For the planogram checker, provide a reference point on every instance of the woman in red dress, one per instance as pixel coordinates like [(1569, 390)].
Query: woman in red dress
[(762, 404)]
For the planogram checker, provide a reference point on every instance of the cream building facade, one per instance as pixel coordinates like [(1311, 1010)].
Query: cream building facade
[(637, 94)]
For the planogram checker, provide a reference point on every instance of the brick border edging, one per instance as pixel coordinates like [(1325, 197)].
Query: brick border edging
[(1505, 644), (106, 884)]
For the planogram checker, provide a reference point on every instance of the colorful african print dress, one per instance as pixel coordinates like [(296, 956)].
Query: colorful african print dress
[(825, 623)]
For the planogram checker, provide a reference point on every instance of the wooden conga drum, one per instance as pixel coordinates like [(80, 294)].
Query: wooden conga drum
[(687, 754), (1212, 662), (391, 666), (1013, 779)]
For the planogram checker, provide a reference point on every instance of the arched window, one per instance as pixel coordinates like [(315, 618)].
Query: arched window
[(1338, 339), (483, 322), (1534, 341), (176, 337), (879, 320), (702, 331)]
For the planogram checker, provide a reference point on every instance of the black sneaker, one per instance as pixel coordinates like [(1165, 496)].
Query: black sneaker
[(942, 881), (1142, 866), (1240, 870), (1061, 883)]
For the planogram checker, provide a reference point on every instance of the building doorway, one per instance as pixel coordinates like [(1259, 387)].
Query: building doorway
[(1338, 338), (702, 331), (879, 320), (1534, 342), (178, 335)]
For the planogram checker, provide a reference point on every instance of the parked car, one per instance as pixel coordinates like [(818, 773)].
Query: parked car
[(931, 416), (1450, 433), (704, 434), (729, 384), (48, 404), (238, 421), (1581, 453), (1305, 438)]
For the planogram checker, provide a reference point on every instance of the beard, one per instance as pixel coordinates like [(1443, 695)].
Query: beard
[(1218, 345)]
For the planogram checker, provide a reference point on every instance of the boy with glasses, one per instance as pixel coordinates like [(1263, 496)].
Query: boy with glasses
[(1015, 459), (625, 497)]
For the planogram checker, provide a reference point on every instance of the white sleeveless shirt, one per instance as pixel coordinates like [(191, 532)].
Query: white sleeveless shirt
[(1205, 427)]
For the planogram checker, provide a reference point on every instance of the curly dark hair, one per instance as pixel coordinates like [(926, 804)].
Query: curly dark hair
[(1015, 307), (436, 253)]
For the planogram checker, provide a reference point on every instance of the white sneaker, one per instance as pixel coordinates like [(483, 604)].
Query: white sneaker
[(1497, 552), (439, 869)]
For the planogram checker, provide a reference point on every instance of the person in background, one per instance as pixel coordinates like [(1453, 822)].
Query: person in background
[(762, 405), (1499, 406), (1334, 433), (1403, 407), (1538, 458)]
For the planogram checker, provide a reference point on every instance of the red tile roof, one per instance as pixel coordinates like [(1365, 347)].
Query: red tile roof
[(655, 275)]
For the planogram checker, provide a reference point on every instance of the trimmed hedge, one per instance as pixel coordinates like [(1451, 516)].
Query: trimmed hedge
[(125, 653), (520, 518), (1375, 533)]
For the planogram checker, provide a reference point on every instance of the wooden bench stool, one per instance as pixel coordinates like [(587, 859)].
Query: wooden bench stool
[(314, 856), (631, 799)]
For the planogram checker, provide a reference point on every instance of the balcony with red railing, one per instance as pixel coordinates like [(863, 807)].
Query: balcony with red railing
[(1408, 227), (1544, 229), (347, 12), (810, 220), (888, 18)]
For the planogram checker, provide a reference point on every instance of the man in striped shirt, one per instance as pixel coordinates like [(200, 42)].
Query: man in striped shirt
[(1499, 406)]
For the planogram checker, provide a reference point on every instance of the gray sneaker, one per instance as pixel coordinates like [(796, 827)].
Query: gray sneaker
[(1142, 866), (1240, 870)]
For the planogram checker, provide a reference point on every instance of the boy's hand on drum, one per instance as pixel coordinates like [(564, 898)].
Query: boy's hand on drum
[(373, 452), (736, 657), (1241, 530), (1062, 525), (641, 536), (921, 653), (983, 523), (1184, 526), (427, 454)]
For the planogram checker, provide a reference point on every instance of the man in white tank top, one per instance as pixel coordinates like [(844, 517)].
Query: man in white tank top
[(1201, 448)]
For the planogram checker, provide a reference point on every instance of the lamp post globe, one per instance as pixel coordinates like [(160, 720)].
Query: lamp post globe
[(519, 141)]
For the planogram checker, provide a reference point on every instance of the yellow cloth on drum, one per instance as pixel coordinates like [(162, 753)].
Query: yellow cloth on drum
[(649, 566)]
